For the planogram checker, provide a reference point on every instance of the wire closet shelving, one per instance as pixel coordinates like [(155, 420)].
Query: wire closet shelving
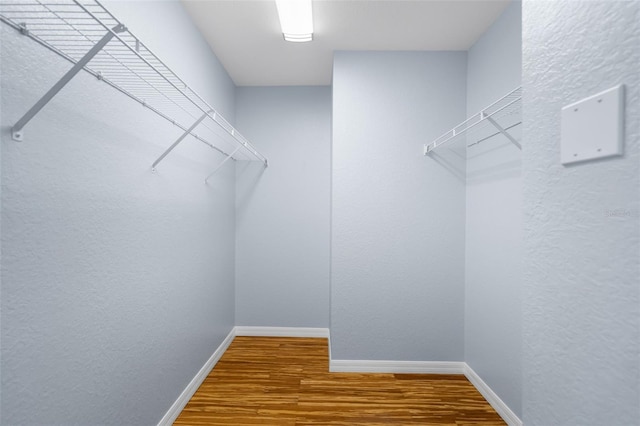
[(500, 118), (85, 33)]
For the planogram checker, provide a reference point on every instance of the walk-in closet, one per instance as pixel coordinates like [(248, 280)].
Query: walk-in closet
[(384, 212)]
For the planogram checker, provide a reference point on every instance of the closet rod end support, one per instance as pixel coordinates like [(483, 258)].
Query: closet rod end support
[(120, 28), (17, 135), (23, 28)]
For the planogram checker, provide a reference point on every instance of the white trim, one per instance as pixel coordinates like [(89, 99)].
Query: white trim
[(195, 383), (418, 367), (494, 400), (281, 331)]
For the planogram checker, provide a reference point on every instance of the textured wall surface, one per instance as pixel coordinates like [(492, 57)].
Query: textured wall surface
[(493, 334), (397, 279), (117, 283), (581, 310), (282, 256)]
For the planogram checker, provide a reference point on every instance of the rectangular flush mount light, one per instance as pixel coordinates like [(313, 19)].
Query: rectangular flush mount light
[(296, 19)]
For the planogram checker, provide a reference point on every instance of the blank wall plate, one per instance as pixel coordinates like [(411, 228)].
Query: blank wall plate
[(593, 127)]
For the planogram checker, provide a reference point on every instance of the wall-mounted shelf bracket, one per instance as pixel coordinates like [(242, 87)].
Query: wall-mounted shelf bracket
[(16, 130), (180, 139), (503, 115), (504, 132)]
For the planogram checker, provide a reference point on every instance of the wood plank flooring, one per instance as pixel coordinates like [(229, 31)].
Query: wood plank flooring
[(286, 382)]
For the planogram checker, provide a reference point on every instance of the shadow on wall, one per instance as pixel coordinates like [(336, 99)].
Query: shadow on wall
[(451, 159), (248, 173), (504, 162)]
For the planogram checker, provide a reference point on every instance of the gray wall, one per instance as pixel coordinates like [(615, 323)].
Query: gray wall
[(282, 256), (117, 284), (581, 310), (397, 279), (493, 334)]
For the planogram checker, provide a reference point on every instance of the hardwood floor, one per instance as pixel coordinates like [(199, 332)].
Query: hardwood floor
[(286, 382)]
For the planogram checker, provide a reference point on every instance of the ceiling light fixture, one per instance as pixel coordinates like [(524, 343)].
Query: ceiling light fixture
[(296, 20)]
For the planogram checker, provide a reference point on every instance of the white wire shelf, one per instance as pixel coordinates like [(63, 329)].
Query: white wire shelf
[(500, 118), (85, 33)]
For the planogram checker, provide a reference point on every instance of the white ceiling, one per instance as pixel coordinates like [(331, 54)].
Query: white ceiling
[(245, 34)]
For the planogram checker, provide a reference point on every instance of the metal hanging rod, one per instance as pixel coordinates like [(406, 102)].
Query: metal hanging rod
[(499, 116), (85, 33), (479, 141)]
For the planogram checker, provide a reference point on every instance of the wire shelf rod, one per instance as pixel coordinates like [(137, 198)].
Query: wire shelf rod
[(141, 57), (141, 101), (70, 27), (489, 114), (141, 78), (507, 96), (115, 86)]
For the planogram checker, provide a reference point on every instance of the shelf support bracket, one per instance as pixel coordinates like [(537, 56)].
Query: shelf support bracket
[(180, 139), (504, 132), (222, 164), (16, 130)]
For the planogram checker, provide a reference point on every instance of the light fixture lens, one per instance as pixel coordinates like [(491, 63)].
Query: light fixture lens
[(298, 38), (296, 19)]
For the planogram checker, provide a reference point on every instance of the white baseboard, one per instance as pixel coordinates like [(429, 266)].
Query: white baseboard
[(281, 331), (494, 400), (417, 367), (195, 383)]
